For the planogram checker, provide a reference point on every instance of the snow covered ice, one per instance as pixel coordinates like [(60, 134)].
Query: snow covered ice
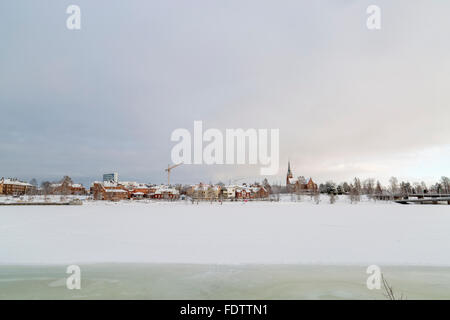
[(285, 232)]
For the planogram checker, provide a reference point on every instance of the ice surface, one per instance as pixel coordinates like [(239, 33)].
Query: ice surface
[(233, 233)]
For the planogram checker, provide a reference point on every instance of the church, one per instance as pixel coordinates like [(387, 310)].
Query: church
[(300, 185)]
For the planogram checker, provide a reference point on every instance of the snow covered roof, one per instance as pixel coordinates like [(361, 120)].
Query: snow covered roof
[(115, 190), (108, 183), (73, 185), (129, 183), (201, 186), (165, 189), (15, 182)]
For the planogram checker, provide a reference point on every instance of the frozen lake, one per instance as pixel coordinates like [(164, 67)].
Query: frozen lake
[(233, 233)]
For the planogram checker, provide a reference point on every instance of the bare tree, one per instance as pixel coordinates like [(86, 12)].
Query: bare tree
[(66, 184), (445, 181), (346, 187), (418, 188), (378, 189), (317, 197), (424, 187), (393, 185), (357, 186), (355, 194), (369, 187), (333, 198), (389, 291), (45, 185)]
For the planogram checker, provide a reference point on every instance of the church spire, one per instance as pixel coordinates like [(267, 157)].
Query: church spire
[(289, 175)]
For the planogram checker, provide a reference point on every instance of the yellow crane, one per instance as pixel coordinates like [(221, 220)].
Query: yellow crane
[(169, 168)]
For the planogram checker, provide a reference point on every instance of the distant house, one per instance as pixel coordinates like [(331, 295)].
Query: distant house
[(259, 192), (108, 190), (213, 193), (128, 190), (136, 190), (243, 192), (15, 187), (164, 192), (198, 191), (229, 192), (204, 192), (115, 194)]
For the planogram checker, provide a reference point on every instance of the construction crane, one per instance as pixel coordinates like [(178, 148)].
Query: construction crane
[(169, 168)]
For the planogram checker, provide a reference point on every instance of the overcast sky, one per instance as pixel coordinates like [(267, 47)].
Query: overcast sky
[(348, 101)]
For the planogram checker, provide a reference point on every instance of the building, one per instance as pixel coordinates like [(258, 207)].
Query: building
[(15, 187), (289, 177), (115, 191), (67, 188), (111, 177), (109, 190), (214, 193), (164, 192), (245, 192), (198, 191), (115, 194), (299, 185), (260, 192), (229, 192)]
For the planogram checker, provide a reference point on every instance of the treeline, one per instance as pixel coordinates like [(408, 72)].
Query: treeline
[(371, 187)]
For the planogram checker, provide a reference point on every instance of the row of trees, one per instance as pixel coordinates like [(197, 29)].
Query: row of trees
[(371, 187), (46, 186)]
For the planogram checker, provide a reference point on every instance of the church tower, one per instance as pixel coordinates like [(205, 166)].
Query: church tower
[(289, 175)]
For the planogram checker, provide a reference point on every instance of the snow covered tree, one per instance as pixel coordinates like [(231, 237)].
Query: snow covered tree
[(369, 187), (346, 187), (445, 181), (330, 187), (355, 193), (378, 189), (45, 185), (357, 186), (333, 198), (322, 188), (393, 185)]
